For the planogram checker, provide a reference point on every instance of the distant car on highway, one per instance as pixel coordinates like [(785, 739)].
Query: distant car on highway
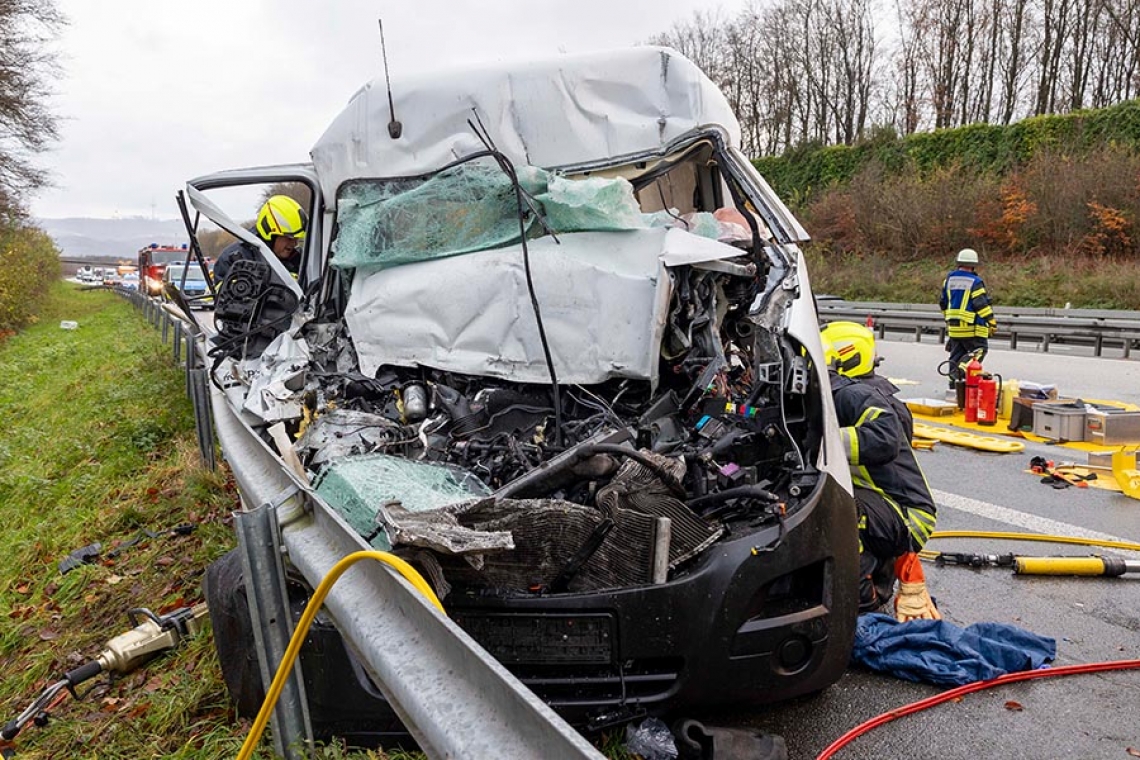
[(192, 283), (131, 281), (85, 274)]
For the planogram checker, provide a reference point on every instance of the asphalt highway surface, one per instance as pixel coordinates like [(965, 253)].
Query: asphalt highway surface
[(1091, 619)]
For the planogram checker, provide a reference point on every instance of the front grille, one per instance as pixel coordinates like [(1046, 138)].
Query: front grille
[(569, 658), (537, 639), (646, 681)]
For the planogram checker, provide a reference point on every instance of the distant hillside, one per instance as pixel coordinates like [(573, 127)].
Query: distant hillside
[(119, 238)]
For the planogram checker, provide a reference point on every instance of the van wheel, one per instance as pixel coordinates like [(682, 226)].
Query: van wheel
[(224, 589)]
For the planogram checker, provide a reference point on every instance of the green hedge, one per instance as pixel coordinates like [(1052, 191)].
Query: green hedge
[(804, 172), (29, 264)]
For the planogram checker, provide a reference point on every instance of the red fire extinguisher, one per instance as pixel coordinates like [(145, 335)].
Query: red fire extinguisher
[(973, 378), (989, 389)]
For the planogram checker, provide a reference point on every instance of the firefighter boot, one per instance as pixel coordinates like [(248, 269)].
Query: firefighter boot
[(913, 601)]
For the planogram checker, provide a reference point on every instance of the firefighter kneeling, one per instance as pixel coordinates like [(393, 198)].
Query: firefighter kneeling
[(895, 506)]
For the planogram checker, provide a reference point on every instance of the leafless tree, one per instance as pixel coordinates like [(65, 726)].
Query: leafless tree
[(1009, 54), (298, 191), (820, 71), (1056, 17), (27, 126)]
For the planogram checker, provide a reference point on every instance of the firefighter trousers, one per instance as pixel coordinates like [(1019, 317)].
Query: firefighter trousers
[(883, 537)]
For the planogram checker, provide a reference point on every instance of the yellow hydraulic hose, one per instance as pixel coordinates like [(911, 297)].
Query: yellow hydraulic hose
[(311, 609), (1127, 545)]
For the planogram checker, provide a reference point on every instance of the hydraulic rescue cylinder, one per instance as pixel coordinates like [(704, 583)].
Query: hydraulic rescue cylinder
[(1090, 566)]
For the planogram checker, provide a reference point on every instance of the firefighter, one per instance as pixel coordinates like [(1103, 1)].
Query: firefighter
[(895, 507), (281, 223), (969, 316)]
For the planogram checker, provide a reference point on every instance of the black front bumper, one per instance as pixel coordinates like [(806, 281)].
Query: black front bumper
[(737, 628)]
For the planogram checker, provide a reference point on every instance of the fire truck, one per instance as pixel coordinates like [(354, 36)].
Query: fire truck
[(152, 263)]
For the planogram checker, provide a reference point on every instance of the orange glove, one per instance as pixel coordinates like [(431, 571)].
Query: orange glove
[(913, 601)]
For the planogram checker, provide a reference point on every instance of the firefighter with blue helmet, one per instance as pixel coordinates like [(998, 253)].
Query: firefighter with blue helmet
[(895, 507), (968, 313)]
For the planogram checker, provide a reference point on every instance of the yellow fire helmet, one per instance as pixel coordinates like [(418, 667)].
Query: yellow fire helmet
[(281, 215), (849, 347)]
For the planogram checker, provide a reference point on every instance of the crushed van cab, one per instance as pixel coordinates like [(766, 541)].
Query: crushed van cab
[(553, 343)]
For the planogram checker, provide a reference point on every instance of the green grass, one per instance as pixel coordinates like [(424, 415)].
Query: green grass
[(99, 444)]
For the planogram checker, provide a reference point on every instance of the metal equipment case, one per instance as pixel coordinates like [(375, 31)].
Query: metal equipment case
[(1112, 426), (1059, 421)]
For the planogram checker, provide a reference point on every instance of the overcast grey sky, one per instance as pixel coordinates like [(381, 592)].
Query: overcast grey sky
[(154, 93)]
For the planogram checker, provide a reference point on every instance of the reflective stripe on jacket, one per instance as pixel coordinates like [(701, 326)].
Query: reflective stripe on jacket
[(966, 306), (876, 429)]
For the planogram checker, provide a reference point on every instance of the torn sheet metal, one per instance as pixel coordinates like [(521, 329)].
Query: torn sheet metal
[(572, 109), (604, 298), (681, 247), (277, 383), (340, 433)]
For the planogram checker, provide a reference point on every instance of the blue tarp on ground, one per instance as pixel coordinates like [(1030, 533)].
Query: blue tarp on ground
[(941, 653)]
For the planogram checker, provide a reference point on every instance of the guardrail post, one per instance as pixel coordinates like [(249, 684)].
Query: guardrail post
[(1098, 345), (178, 333), (203, 415), (1045, 343), (1013, 341), (260, 548)]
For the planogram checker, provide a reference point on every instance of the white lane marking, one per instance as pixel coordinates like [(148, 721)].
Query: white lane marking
[(1031, 523)]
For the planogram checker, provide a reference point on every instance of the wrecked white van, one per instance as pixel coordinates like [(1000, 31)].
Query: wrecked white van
[(553, 343)]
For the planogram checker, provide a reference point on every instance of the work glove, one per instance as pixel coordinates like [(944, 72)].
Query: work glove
[(913, 601)]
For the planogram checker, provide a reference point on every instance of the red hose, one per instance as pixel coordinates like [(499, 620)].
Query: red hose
[(922, 704)]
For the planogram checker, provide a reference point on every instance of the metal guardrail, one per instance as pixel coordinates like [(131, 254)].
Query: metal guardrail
[(1042, 328), (453, 697)]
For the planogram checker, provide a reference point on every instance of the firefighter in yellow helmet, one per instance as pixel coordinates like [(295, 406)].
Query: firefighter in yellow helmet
[(896, 509), (282, 224)]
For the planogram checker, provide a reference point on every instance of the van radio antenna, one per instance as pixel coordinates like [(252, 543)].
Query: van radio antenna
[(395, 128)]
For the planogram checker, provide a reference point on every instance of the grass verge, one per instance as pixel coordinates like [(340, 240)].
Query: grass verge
[(99, 446)]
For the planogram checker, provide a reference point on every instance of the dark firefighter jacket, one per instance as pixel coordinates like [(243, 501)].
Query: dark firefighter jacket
[(242, 251), (876, 430), (966, 306)]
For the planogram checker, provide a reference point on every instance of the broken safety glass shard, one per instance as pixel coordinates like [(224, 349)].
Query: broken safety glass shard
[(372, 491)]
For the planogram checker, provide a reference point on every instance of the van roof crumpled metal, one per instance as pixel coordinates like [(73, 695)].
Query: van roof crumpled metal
[(560, 112)]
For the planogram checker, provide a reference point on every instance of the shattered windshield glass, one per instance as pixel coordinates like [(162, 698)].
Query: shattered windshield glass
[(472, 207), (384, 223)]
